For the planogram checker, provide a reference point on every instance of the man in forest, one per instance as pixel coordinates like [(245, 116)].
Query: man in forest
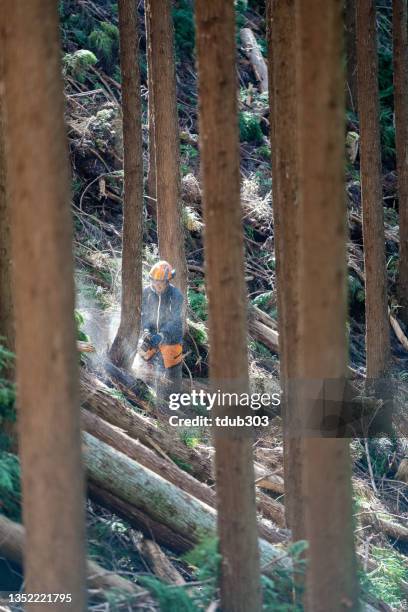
[(162, 323)]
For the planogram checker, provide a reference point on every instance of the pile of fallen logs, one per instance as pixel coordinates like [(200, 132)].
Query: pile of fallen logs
[(133, 469)]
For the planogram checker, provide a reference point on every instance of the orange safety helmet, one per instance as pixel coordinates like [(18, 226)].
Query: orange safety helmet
[(162, 270)]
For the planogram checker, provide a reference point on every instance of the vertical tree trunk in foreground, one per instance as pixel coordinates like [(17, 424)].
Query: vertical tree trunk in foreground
[(224, 257), (49, 424), (400, 38), (377, 326), (163, 79), (351, 54), (151, 171), (6, 300), (124, 346), (331, 577), (282, 101)]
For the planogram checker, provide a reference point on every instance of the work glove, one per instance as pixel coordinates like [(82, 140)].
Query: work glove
[(145, 340), (155, 340)]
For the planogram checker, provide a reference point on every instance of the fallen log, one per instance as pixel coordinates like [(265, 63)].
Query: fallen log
[(12, 544), (382, 522), (269, 337), (271, 509), (138, 519), (135, 450), (159, 563), (117, 439), (160, 500), (96, 398), (267, 480), (398, 331), (253, 53)]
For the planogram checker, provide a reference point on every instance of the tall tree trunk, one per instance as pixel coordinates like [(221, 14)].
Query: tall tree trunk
[(6, 299), (151, 170), (124, 347), (163, 80), (282, 101), (377, 326), (400, 37), (224, 257), (331, 577), (351, 54), (41, 224)]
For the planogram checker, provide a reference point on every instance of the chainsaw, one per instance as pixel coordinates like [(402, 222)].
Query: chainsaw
[(145, 348)]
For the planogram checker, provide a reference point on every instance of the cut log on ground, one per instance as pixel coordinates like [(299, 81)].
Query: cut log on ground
[(155, 497), (253, 53), (398, 331), (135, 450), (139, 520), (389, 527), (115, 437), (96, 398), (159, 563), (12, 544), (269, 337)]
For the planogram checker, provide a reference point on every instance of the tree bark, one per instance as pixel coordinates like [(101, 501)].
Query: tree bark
[(351, 54), (331, 581), (400, 52), (227, 304), (377, 326), (282, 96), (124, 346), (163, 80), (47, 380), (6, 297), (151, 170)]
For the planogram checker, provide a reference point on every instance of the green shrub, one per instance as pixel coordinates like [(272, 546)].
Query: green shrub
[(264, 300), (356, 289), (249, 128), (198, 304), (78, 63), (10, 487), (79, 321), (104, 40), (385, 581), (10, 491), (184, 29)]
